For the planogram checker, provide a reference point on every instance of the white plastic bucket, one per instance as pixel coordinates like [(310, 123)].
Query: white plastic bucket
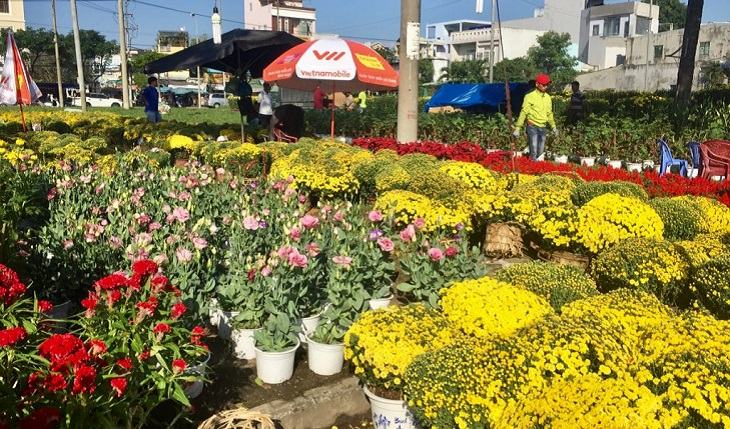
[(224, 324), (615, 163), (634, 167), (588, 161), (389, 413), (308, 325), (378, 303), (325, 359), (561, 159), (196, 388), (275, 367), (244, 343)]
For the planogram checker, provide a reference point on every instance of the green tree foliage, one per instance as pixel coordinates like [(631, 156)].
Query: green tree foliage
[(138, 62), (425, 71), (515, 70), (671, 12), (387, 53), (551, 56), (471, 71)]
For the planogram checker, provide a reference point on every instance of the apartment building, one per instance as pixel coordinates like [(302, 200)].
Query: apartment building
[(280, 15), (12, 14)]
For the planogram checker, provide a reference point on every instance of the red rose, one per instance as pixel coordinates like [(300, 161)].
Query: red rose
[(84, 380), (55, 382), (179, 365), (97, 347), (125, 363), (44, 306), (42, 418), (10, 336), (112, 281), (162, 328), (144, 267), (178, 310), (119, 385), (451, 251)]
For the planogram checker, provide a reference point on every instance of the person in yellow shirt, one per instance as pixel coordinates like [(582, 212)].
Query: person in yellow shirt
[(362, 100), (537, 112)]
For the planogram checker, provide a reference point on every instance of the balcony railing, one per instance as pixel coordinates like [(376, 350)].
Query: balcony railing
[(467, 36)]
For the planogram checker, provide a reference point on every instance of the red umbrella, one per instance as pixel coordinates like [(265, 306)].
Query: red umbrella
[(16, 85), (346, 65)]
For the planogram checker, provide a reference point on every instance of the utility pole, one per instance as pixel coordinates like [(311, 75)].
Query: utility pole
[(123, 54), (410, 35), (648, 45), (58, 56), (79, 60), (491, 43)]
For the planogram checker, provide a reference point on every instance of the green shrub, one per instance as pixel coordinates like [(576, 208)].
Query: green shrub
[(643, 263), (415, 163), (435, 184), (368, 170), (712, 285), (682, 221), (559, 284), (586, 191), (58, 126), (699, 251)]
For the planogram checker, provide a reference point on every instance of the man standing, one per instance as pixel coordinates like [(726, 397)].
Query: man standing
[(318, 100), (362, 98), (245, 92), (537, 111), (266, 106), (577, 108), (151, 101)]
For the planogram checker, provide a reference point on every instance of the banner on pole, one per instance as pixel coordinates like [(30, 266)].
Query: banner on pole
[(16, 85)]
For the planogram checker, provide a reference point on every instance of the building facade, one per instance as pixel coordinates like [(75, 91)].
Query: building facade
[(169, 42), (12, 14), (562, 16), (280, 15)]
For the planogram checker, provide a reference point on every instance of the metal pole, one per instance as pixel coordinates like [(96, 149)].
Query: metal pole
[(408, 84), (491, 44), (58, 57), (79, 60), (199, 99), (648, 44), (123, 54)]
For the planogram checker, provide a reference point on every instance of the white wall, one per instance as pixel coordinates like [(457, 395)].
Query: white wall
[(256, 16)]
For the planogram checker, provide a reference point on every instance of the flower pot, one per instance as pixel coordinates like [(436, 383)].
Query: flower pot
[(503, 239), (389, 413), (561, 159), (275, 367), (244, 343), (616, 163), (325, 359), (634, 167), (693, 172), (224, 324), (648, 164), (492, 150), (308, 325), (195, 388), (378, 303), (214, 311), (588, 161)]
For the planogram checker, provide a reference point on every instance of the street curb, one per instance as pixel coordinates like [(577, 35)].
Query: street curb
[(319, 407)]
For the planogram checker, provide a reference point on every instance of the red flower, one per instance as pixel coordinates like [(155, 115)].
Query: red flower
[(85, 380), (144, 267), (10, 336), (90, 302), (44, 306), (196, 336), (178, 310), (63, 350), (144, 355), (162, 328), (119, 385), (97, 347), (147, 308), (8, 277), (112, 296), (159, 283), (451, 251), (42, 418), (179, 365), (55, 382), (112, 281), (135, 282), (125, 363)]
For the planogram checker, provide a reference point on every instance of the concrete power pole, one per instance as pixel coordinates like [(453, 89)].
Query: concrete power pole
[(58, 57), (491, 43), (123, 54), (79, 60), (410, 35), (648, 45)]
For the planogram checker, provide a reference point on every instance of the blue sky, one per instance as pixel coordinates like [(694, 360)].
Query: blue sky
[(366, 19)]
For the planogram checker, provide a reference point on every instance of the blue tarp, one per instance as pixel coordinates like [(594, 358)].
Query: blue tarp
[(473, 96)]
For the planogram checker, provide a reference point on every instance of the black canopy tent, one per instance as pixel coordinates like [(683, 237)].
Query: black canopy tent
[(239, 51)]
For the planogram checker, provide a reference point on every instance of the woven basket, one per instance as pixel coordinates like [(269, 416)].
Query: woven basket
[(240, 418), (503, 239), (565, 258)]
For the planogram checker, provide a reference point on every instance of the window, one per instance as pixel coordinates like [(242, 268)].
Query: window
[(626, 29), (4, 6), (704, 50), (658, 52), (613, 27), (620, 60), (596, 30)]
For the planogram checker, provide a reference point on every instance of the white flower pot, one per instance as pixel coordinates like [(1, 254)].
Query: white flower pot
[(615, 163), (196, 388), (214, 311), (389, 413), (561, 159), (634, 167), (308, 325), (244, 343), (275, 367), (648, 164), (325, 359), (693, 172), (488, 151), (378, 303), (224, 324), (588, 161)]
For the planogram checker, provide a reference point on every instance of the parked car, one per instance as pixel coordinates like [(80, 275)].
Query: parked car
[(95, 99), (217, 99)]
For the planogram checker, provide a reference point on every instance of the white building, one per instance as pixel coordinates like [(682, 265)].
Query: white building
[(604, 29), (169, 42), (660, 71), (12, 14), (280, 15), (562, 16)]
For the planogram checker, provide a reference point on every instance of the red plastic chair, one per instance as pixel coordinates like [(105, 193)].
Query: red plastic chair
[(713, 164)]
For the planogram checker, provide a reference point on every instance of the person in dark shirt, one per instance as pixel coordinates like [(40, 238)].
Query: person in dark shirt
[(151, 101), (245, 103), (287, 123), (577, 107)]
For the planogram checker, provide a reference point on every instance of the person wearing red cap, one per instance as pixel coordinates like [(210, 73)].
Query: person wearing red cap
[(537, 112)]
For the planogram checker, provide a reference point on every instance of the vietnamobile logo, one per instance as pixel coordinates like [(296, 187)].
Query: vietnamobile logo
[(328, 55)]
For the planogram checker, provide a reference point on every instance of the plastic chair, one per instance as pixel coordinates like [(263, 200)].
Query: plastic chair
[(666, 160), (694, 150)]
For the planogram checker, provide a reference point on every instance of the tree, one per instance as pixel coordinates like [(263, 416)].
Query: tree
[(551, 56), (138, 62), (712, 74), (36, 45), (468, 71), (691, 37), (425, 71), (387, 53), (671, 12), (96, 54), (515, 70)]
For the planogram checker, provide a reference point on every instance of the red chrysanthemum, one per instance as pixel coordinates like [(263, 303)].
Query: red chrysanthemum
[(179, 365), (11, 336), (112, 281), (84, 380), (64, 351), (97, 347), (41, 418), (162, 328), (125, 363), (178, 310), (55, 382), (119, 385), (144, 267), (45, 306)]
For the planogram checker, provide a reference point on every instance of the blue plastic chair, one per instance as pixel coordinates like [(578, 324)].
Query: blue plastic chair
[(666, 160), (694, 150)]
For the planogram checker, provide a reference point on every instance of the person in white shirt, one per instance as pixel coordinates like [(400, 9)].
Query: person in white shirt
[(266, 106)]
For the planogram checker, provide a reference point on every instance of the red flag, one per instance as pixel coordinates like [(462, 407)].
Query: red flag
[(16, 85)]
